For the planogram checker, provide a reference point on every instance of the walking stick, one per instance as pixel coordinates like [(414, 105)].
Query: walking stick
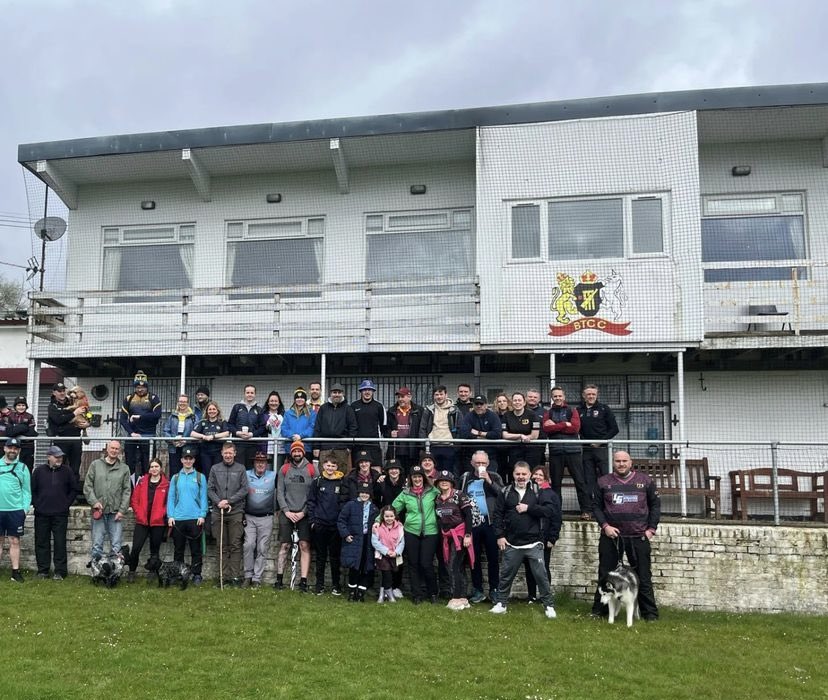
[(221, 548)]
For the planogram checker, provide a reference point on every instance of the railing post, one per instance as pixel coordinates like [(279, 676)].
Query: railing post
[(610, 448), (775, 480)]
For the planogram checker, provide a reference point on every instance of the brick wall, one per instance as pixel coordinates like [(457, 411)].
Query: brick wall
[(696, 566)]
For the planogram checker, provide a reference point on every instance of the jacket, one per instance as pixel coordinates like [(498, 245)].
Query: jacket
[(415, 419), (334, 421), (543, 515), (59, 420), (385, 492), (371, 418), (388, 541), (553, 426), (21, 425), (228, 483), (261, 493), (491, 491), (325, 499), (187, 496), (149, 413), (15, 486), (293, 485), (171, 428), (350, 522), (138, 502), (420, 516), (352, 481), (53, 490), (427, 424), (109, 485), (597, 422), (489, 423), (297, 424), (241, 415)]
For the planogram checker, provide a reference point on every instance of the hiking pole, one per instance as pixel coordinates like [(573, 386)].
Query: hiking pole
[(221, 548)]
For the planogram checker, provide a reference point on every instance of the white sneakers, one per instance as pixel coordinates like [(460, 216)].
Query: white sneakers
[(458, 604), (498, 609), (549, 611), (398, 594)]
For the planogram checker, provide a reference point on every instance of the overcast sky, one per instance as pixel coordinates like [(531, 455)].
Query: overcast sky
[(73, 69)]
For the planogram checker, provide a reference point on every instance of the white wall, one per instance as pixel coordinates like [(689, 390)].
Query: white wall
[(13, 346)]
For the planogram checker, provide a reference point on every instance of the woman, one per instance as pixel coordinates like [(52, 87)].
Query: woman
[(21, 424), (210, 431), (298, 423), (541, 477), (521, 426), (502, 405), (454, 516), (416, 505), (270, 425), (149, 503), (179, 425)]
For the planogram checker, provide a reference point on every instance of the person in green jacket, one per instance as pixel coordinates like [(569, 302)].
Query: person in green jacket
[(416, 504), (15, 499), (107, 489)]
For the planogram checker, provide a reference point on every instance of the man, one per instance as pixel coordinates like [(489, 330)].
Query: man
[(404, 420), (464, 407), (482, 424), (536, 453), (140, 413), (627, 508), (295, 479), (533, 403), (21, 424), (187, 510), (597, 423), (464, 400), (258, 513), (439, 425), (243, 422), (59, 425), (54, 488), (518, 524), (335, 419), (202, 398), (107, 489), (15, 499), (326, 497), (372, 420), (315, 402), (561, 422), (227, 491), (483, 485)]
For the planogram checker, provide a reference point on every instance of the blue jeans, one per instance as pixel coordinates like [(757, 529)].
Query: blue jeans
[(106, 526)]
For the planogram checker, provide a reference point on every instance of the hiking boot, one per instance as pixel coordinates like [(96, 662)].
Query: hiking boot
[(16, 577), (255, 584), (477, 596), (498, 609)]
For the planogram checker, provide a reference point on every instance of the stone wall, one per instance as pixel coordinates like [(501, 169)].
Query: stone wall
[(696, 565)]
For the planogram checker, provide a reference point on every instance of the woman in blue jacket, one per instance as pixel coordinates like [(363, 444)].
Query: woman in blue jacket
[(178, 425), (297, 424), (354, 523)]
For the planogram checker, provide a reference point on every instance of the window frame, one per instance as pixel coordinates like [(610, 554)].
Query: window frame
[(626, 222)]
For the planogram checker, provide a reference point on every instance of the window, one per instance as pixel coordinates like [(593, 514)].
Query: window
[(597, 227), (141, 258), (276, 252), (754, 230), (437, 244)]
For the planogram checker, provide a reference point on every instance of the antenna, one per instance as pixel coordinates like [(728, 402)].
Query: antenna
[(49, 228)]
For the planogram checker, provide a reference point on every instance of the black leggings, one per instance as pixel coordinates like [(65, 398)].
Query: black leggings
[(139, 536), (420, 551)]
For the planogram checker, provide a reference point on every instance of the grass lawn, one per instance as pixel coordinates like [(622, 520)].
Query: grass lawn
[(71, 640)]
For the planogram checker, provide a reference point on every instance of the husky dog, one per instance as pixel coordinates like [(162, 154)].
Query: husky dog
[(620, 587), (169, 572), (108, 570)]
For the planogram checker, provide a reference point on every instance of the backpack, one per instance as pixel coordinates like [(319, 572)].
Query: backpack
[(309, 465), (175, 484)]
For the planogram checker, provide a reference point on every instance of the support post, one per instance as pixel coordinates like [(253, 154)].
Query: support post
[(682, 456), (33, 386), (323, 372), (183, 375), (775, 480)]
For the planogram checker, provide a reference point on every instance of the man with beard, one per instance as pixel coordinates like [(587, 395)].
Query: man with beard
[(140, 413), (227, 490), (315, 401), (335, 419), (482, 424), (372, 420), (202, 398)]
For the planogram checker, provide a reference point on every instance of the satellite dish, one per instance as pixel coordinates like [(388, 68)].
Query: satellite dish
[(50, 228)]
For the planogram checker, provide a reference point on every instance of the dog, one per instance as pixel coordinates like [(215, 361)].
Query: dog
[(169, 572), (620, 587), (108, 570)]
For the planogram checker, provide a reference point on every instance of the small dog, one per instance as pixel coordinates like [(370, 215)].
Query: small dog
[(620, 587), (108, 570), (169, 572)]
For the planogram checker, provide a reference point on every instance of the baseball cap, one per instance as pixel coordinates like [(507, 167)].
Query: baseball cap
[(479, 399), (403, 391), (12, 442), (367, 384), (60, 386), (55, 451), (188, 451)]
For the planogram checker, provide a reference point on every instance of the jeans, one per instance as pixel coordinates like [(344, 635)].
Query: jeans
[(107, 526), (257, 532), (484, 539), (512, 559), (45, 528)]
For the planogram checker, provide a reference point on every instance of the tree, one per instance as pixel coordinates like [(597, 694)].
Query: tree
[(11, 294)]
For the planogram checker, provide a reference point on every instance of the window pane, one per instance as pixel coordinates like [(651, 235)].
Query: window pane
[(525, 231), (743, 205), (151, 266), (275, 262), (433, 254), (418, 220), (142, 234), (647, 226), (586, 229), (749, 239), (275, 228)]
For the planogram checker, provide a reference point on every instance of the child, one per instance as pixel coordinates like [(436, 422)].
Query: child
[(388, 539), (354, 524), (325, 500)]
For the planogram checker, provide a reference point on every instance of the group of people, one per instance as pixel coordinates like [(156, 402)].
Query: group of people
[(365, 519)]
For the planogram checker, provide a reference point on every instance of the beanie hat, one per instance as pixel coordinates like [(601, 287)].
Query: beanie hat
[(297, 445), (300, 393), (203, 390), (140, 379)]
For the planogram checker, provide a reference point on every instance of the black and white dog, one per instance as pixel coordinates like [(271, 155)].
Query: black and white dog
[(108, 570), (620, 587), (169, 572)]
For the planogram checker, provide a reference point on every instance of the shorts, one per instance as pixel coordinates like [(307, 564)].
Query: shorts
[(11, 523), (286, 529)]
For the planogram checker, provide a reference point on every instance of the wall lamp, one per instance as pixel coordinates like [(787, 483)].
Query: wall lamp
[(147, 205), (273, 198), (740, 170), (418, 189)]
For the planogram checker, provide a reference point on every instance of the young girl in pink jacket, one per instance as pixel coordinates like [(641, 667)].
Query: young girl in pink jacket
[(389, 542)]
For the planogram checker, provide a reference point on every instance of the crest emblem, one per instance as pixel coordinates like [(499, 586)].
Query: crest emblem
[(600, 302)]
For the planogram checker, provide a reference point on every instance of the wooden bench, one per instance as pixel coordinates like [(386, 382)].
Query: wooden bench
[(791, 484), (666, 473)]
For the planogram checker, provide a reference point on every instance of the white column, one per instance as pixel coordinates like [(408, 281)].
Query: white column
[(183, 374), (323, 371), (33, 386), (682, 456)]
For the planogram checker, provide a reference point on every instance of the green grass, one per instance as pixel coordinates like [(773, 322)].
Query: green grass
[(71, 640)]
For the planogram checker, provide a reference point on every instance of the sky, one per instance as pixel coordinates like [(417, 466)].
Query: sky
[(73, 69)]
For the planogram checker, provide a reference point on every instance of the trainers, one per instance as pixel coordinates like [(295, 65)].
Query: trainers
[(58, 577), (549, 611), (454, 604), (398, 594), (336, 591), (16, 577), (302, 587), (279, 585), (531, 600), (477, 596), (319, 591), (256, 584), (42, 576), (498, 609)]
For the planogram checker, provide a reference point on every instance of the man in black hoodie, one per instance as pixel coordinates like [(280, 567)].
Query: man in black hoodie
[(335, 419), (54, 488)]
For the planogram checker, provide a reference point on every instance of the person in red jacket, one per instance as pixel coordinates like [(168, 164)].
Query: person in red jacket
[(149, 503)]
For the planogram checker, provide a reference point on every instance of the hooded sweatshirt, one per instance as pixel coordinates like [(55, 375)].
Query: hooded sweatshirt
[(294, 484)]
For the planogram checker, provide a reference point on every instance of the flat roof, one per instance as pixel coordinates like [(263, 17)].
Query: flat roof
[(424, 122)]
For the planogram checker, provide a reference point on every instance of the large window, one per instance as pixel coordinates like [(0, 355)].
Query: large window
[(434, 244), (580, 229), (755, 232), (147, 257), (277, 252)]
